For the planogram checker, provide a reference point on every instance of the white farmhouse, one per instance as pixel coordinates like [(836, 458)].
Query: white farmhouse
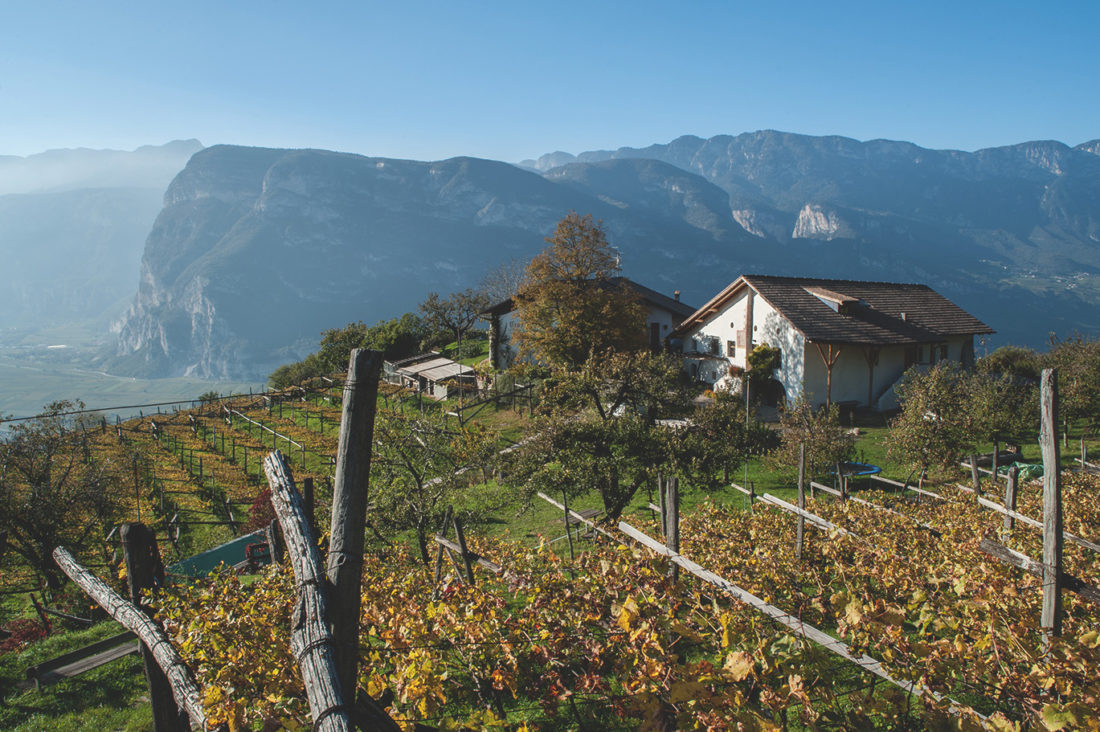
[(840, 340), (663, 314)]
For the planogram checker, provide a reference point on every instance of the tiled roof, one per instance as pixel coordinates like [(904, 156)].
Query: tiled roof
[(650, 297), (868, 313)]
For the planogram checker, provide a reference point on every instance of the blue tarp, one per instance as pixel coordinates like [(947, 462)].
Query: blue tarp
[(229, 553)]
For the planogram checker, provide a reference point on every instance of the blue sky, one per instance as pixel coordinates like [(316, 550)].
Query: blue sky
[(511, 80)]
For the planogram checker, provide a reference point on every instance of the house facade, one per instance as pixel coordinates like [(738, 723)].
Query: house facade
[(663, 315), (841, 341)]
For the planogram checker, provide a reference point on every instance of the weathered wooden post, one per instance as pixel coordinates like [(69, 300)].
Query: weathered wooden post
[(801, 500), (1052, 508), (672, 522), (144, 571), (1010, 496), (975, 478), (460, 537), (568, 531), (439, 550), (349, 508), (307, 497)]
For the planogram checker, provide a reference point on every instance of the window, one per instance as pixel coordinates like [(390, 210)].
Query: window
[(731, 349)]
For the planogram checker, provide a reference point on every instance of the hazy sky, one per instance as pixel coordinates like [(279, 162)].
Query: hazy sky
[(511, 80)]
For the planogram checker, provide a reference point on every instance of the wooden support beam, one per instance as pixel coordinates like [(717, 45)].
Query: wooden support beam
[(473, 556), (184, 689), (1035, 524), (828, 489), (1029, 565), (344, 570), (1052, 507), (310, 640), (813, 518), (144, 571), (829, 362)]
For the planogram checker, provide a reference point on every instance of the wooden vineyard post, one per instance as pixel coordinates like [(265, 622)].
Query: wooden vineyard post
[(144, 571), (1010, 496), (439, 550), (568, 531), (1052, 508), (349, 508), (975, 479), (460, 536), (801, 500), (307, 497), (310, 640), (672, 522)]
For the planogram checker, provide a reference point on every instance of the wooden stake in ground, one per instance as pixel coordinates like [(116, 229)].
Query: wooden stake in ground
[(1052, 507), (349, 508), (184, 689), (144, 571), (975, 478), (310, 641), (801, 500), (672, 522), (1010, 496)]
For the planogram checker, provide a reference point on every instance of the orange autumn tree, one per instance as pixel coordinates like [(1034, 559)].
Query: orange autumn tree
[(571, 305)]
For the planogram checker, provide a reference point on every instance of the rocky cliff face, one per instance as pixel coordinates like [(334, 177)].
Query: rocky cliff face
[(256, 251)]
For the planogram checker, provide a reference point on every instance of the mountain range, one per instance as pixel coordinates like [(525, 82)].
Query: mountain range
[(257, 250), (73, 225)]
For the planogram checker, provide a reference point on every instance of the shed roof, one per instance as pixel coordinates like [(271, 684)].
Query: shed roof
[(435, 368), (867, 313)]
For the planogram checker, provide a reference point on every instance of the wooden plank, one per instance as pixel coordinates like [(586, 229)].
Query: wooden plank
[(746, 491), (826, 488), (811, 517), (580, 518), (795, 624), (39, 677), (1028, 521), (1029, 565), (445, 543)]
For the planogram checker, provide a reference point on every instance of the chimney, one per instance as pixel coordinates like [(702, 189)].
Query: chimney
[(676, 296)]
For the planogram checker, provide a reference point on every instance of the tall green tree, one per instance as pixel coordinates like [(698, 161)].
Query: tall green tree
[(934, 427), (597, 429), (1078, 362), (455, 314), (54, 491), (422, 463), (570, 307)]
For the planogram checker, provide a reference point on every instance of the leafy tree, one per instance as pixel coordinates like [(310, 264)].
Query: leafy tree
[(597, 428), (54, 491), (827, 442), (715, 441), (504, 280), (396, 338), (455, 314), (934, 427), (1017, 362), (422, 463), (1078, 362), (569, 307)]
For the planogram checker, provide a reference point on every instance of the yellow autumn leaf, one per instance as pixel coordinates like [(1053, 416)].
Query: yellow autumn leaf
[(629, 613), (739, 665)]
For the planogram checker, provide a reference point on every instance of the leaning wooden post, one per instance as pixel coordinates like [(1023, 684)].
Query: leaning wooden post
[(1052, 508), (460, 537), (568, 531), (307, 497), (439, 551), (975, 479), (184, 689), (1010, 496), (144, 571), (672, 522), (349, 508), (801, 500), (310, 640)]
